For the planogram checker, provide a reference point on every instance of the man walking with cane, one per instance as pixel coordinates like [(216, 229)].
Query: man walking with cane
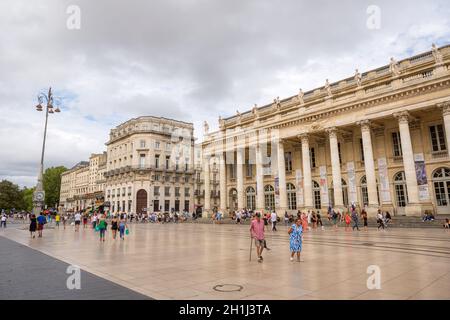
[(257, 233)]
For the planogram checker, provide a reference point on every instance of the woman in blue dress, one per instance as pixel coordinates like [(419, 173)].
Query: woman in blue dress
[(296, 238)]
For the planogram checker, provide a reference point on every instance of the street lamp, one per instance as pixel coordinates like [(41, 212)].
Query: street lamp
[(39, 194)]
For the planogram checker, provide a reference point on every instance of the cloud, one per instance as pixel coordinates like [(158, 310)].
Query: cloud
[(191, 60)]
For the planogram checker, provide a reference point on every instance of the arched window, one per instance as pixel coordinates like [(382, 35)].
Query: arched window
[(401, 193), (364, 193), (291, 196), (441, 186), (344, 193), (250, 197), (233, 195), (269, 197), (316, 191)]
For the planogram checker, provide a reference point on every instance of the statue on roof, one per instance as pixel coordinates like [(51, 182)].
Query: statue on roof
[(436, 54), (255, 109), (358, 78), (300, 96), (328, 88), (205, 128), (393, 67)]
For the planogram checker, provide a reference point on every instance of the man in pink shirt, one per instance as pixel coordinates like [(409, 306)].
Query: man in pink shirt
[(257, 233)]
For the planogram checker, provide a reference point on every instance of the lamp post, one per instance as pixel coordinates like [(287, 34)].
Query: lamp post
[(39, 194)]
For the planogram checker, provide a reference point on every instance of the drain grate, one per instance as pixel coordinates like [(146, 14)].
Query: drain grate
[(228, 287)]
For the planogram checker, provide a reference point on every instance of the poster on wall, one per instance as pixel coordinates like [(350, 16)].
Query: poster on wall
[(352, 197), (421, 176), (299, 186), (323, 186), (385, 195)]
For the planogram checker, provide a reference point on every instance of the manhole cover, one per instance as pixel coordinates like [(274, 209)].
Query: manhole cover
[(228, 287)]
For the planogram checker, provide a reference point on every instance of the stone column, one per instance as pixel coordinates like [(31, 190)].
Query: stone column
[(240, 177), (223, 182), (307, 180), (413, 207), (282, 177), (369, 166), (259, 180), (445, 106), (335, 168), (207, 179)]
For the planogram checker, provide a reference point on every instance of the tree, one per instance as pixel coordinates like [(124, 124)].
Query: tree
[(52, 184), (10, 196), (27, 198)]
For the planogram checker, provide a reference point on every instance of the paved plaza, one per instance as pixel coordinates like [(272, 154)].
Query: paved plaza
[(205, 261)]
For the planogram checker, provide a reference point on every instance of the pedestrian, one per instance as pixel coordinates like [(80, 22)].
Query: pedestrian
[(319, 220), (296, 239), (364, 217), (114, 226), (77, 221), (387, 218), (380, 220), (33, 226), (64, 220), (347, 220), (57, 219), (41, 220), (273, 219), (286, 219), (94, 220), (304, 218), (238, 217), (85, 220), (257, 233), (122, 227), (355, 220), (3, 221), (102, 224)]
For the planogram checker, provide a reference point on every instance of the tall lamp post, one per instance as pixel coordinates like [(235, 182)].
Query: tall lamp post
[(39, 193)]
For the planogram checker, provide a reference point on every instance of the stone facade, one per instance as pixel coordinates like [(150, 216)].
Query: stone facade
[(150, 166), (379, 139)]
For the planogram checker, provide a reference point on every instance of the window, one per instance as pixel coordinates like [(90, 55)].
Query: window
[(288, 161), (291, 196), (232, 171), (364, 193), (156, 177), (167, 191), (129, 191), (123, 192), (269, 197), (249, 170), (396, 144), (186, 192), (156, 161), (441, 184), (316, 191), (437, 138), (167, 146), (250, 198), (340, 153), (361, 149), (157, 145), (401, 193), (186, 205), (177, 191), (142, 143), (167, 162), (166, 205), (177, 164), (186, 164), (156, 191), (312, 156)]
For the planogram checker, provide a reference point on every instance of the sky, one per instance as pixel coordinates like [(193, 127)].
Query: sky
[(191, 60)]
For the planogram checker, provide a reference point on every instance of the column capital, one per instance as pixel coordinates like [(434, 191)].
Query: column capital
[(304, 137), (445, 107), (402, 116), (364, 124), (332, 132)]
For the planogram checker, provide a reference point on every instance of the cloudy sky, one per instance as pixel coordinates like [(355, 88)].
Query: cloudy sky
[(191, 60)]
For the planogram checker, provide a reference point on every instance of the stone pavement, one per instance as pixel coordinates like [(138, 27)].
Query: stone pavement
[(29, 274), (204, 261)]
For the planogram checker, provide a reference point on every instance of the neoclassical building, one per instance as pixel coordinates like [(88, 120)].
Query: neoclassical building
[(150, 166), (379, 139)]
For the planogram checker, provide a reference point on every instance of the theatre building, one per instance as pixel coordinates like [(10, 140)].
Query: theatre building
[(379, 139)]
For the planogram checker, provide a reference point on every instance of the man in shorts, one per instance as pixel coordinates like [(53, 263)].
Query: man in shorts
[(77, 221), (257, 233)]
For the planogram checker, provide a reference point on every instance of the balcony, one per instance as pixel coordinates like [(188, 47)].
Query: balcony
[(439, 154)]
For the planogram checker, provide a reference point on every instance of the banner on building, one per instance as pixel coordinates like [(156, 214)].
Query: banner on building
[(385, 194), (421, 176), (299, 186), (352, 195), (323, 186), (277, 191)]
